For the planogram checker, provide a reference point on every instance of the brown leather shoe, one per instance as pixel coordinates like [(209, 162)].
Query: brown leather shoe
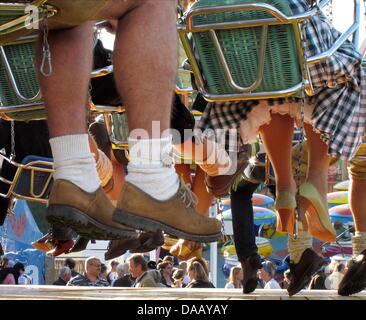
[(354, 280), (146, 242), (302, 272), (80, 244), (88, 214), (175, 216), (220, 185), (250, 267)]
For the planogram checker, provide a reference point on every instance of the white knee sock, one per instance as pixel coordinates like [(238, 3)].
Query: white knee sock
[(74, 162), (151, 167), (296, 246), (358, 243)]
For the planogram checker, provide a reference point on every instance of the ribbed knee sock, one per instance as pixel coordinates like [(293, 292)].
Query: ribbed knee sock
[(296, 246), (74, 162), (358, 243), (151, 167)]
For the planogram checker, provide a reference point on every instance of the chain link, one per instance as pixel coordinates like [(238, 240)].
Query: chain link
[(46, 58), (12, 137)]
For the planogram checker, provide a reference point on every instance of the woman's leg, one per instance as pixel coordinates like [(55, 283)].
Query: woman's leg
[(318, 161), (277, 138)]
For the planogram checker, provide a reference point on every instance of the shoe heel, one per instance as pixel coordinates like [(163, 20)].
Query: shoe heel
[(317, 215), (285, 210)]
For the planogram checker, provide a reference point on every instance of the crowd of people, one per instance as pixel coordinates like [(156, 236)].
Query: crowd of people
[(138, 272), (154, 195)]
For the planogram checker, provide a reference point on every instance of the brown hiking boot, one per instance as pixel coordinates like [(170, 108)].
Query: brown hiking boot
[(302, 272), (220, 185), (88, 214), (144, 243), (175, 216), (354, 280)]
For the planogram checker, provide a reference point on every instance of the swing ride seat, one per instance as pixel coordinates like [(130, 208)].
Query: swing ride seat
[(22, 17), (32, 180), (241, 49)]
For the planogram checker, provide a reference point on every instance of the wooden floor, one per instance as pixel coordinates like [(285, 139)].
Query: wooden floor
[(34, 292)]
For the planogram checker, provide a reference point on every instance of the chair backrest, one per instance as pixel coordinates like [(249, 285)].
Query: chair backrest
[(241, 47), (238, 52), (19, 87), (245, 49), (19, 18)]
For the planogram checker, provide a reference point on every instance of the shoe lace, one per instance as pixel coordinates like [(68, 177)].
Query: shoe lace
[(188, 196)]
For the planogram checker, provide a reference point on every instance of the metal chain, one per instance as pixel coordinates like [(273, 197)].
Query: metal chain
[(12, 137), (46, 58)]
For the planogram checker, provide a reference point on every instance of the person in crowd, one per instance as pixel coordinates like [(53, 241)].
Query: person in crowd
[(64, 276), (157, 276), (103, 272), (334, 279), (123, 276), (183, 266), (10, 275), (112, 274), (71, 263), (235, 278), (91, 278), (152, 265), (178, 277), (286, 279), (267, 275), (318, 281), (198, 275), (138, 270), (166, 269)]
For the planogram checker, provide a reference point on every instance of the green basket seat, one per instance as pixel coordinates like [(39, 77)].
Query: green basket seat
[(241, 48), (20, 57)]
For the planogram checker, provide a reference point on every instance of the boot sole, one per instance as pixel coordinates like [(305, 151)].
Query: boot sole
[(151, 225), (355, 282), (310, 271), (83, 225)]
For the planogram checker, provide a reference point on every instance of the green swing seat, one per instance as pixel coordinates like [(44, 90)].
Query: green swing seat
[(19, 86), (20, 97), (242, 49)]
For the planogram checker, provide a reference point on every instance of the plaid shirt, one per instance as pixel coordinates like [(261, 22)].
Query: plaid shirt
[(83, 281), (340, 109)]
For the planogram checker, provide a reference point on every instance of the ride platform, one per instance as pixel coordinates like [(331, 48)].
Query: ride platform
[(48, 292)]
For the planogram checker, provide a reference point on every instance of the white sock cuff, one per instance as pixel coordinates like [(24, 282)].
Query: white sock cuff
[(70, 147), (150, 151), (360, 234)]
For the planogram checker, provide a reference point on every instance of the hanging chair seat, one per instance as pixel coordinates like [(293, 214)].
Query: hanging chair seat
[(32, 180), (241, 49)]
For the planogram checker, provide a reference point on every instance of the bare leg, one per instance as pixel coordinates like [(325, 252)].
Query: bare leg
[(145, 74), (318, 160), (357, 203), (277, 138), (65, 92)]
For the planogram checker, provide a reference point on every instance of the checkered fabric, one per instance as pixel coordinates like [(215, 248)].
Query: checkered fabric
[(340, 109)]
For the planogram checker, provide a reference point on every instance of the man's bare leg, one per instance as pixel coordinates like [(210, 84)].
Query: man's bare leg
[(148, 96)]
